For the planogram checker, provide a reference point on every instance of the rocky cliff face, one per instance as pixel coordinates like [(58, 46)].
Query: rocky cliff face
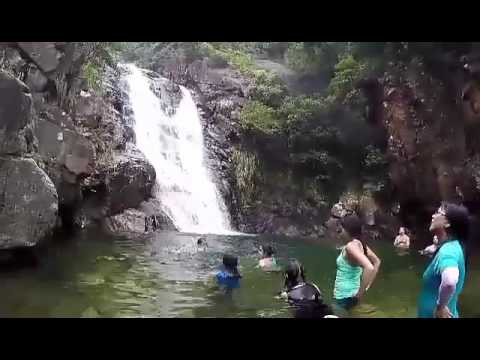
[(430, 119), (28, 200), (428, 113), (280, 206), (66, 146)]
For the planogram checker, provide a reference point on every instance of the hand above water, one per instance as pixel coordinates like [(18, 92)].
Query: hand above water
[(360, 294), (443, 312)]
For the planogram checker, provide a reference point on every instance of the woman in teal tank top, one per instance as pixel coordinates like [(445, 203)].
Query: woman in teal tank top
[(357, 265), (444, 277)]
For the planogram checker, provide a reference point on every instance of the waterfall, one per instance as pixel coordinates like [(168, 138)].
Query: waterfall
[(172, 140)]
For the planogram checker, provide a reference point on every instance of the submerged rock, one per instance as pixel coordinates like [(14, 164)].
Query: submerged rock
[(139, 220)]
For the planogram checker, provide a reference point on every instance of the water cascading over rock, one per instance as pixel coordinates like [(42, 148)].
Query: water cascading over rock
[(170, 136)]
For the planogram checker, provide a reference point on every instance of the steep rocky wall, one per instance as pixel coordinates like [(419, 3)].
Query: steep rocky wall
[(431, 127), (28, 199), (76, 135), (427, 111)]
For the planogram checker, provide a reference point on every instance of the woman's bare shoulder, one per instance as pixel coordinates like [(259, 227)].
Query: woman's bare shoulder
[(353, 246)]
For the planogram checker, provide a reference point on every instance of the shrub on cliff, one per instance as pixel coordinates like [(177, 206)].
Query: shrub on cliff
[(102, 54), (269, 89), (235, 56), (316, 160), (300, 109), (258, 117), (374, 158), (314, 57), (248, 175), (93, 75), (348, 72)]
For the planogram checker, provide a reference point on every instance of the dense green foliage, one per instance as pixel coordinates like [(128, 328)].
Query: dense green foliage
[(310, 124), (248, 175), (348, 71), (259, 117), (324, 130), (100, 55)]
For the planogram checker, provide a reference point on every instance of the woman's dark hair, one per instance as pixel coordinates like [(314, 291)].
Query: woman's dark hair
[(268, 251), (231, 264), (459, 229), (458, 218), (294, 274), (353, 226)]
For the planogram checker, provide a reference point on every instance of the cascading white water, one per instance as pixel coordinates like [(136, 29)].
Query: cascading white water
[(174, 146)]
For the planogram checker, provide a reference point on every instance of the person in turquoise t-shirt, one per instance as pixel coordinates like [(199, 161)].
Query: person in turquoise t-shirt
[(444, 277), (357, 265)]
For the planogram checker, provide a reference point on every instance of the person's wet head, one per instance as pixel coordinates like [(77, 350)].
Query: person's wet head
[(352, 225), (230, 263), (267, 251), (353, 228), (305, 298), (401, 231), (228, 278), (450, 221), (294, 274)]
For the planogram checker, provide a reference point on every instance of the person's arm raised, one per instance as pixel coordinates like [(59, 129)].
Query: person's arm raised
[(374, 259)]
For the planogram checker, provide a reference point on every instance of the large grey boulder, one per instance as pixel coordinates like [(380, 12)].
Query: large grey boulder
[(130, 180), (43, 54), (36, 80), (67, 151), (77, 155), (134, 220), (15, 116), (69, 158), (28, 203), (129, 221)]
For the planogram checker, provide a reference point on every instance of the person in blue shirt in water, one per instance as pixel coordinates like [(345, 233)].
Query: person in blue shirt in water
[(229, 277), (444, 277)]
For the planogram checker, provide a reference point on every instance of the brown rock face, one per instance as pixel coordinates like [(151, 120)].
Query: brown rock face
[(426, 146), (432, 126)]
